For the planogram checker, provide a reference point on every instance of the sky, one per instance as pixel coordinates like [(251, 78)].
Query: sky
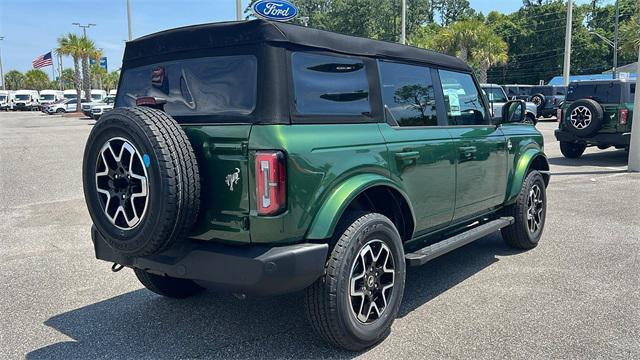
[(31, 27)]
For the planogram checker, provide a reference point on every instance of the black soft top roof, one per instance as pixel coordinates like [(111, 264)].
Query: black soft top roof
[(225, 34)]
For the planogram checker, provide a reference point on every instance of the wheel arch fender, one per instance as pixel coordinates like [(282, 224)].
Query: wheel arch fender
[(530, 159), (341, 196)]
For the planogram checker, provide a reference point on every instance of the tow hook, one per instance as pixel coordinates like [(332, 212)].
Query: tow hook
[(116, 267)]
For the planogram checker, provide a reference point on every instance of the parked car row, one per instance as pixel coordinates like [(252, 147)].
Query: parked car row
[(45, 100), (547, 98)]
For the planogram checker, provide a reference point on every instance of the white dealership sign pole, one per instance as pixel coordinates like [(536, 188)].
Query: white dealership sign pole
[(634, 150)]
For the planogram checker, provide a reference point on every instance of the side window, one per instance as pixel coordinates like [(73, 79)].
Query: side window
[(408, 95), (329, 85), (462, 100)]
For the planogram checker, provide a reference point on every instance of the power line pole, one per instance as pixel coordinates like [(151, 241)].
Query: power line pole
[(566, 70), (634, 150), (129, 18), (4, 86), (615, 43), (403, 34), (238, 10)]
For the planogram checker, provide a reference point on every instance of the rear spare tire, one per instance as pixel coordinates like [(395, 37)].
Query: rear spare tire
[(141, 180), (584, 117)]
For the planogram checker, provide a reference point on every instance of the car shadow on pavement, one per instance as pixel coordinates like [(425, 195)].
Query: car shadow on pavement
[(599, 159), (140, 324)]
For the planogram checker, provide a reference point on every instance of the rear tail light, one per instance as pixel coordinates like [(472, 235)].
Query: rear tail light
[(623, 116), (271, 186), (559, 115)]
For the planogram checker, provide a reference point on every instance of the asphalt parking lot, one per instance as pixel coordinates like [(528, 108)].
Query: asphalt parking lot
[(577, 295)]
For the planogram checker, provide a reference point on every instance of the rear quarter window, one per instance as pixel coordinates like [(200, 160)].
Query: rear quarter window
[(329, 85), (221, 85), (602, 93)]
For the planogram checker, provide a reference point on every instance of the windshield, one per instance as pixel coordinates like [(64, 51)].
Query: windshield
[(70, 96), (96, 96), (23, 97), (224, 85), (108, 100), (47, 97), (495, 94), (3, 98)]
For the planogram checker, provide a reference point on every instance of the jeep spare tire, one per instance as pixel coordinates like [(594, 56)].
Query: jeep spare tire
[(539, 100), (584, 117), (141, 180)]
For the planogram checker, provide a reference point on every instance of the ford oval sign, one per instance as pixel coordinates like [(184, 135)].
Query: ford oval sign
[(277, 10)]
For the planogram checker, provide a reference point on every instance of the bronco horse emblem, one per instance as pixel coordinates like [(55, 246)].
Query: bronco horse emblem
[(232, 179)]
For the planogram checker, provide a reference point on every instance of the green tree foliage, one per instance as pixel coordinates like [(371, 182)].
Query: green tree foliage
[(36, 79), (98, 75), (110, 81), (13, 80), (471, 40), (67, 78)]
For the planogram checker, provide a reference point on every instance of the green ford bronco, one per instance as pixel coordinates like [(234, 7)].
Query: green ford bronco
[(596, 113), (266, 158)]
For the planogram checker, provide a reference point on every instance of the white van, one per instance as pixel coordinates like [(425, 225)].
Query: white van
[(98, 95), (27, 100), (4, 100), (48, 97), (71, 94), (113, 92)]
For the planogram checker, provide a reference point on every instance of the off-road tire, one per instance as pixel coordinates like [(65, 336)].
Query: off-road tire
[(572, 150), (543, 101), (173, 177), (597, 118), (531, 119), (518, 235), (168, 286), (327, 301)]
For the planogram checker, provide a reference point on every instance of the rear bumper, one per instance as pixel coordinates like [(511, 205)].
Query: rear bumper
[(619, 139), (253, 269)]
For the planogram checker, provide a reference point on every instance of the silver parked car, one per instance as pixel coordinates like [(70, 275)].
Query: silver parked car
[(497, 98)]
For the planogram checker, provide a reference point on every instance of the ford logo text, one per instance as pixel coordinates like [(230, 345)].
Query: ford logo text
[(275, 10)]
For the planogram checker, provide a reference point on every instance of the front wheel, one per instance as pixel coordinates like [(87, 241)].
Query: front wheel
[(357, 299), (529, 213), (168, 286), (531, 119), (572, 150)]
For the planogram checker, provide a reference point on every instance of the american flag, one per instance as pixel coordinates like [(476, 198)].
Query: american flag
[(42, 61)]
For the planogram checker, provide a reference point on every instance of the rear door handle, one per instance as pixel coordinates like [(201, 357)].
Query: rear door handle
[(407, 155)]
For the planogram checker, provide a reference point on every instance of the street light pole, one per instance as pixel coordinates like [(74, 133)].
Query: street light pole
[(566, 71), (129, 18), (84, 27), (4, 87), (634, 149), (403, 34), (615, 43), (238, 10)]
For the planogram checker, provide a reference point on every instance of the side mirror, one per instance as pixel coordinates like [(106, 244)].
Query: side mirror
[(513, 111)]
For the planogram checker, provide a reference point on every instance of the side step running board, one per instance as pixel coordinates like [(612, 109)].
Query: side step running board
[(431, 252)]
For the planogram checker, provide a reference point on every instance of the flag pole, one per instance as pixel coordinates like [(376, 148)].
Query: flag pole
[(53, 69)]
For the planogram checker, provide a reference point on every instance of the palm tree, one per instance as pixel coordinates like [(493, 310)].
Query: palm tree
[(470, 40), (88, 51), (491, 51), (70, 45)]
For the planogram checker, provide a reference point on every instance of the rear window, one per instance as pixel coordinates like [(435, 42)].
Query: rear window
[(222, 85), (603, 93), (329, 85)]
